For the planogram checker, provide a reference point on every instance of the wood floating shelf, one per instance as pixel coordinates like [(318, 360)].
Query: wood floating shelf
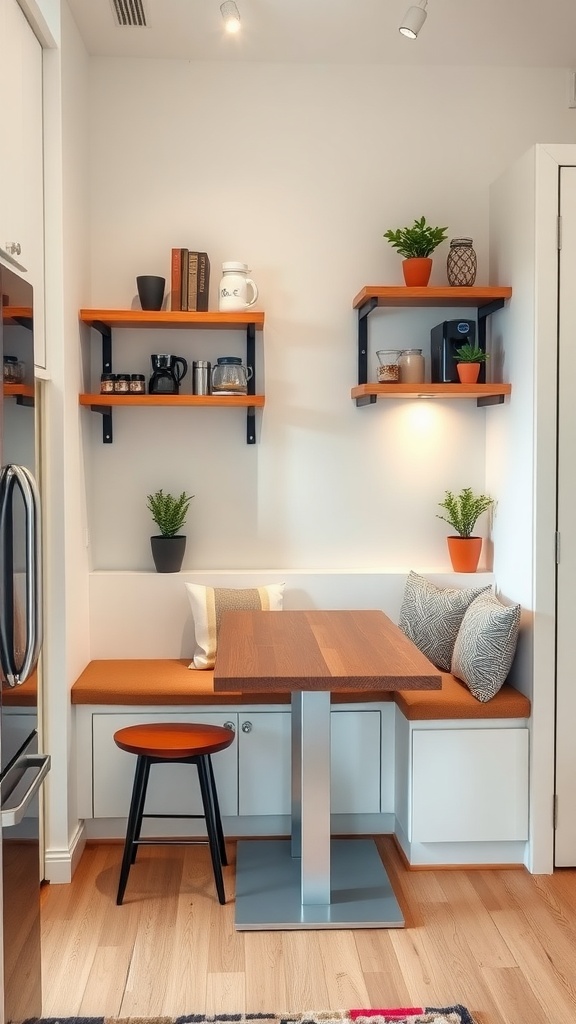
[(212, 320), (488, 394), (19, 390), (243, 401), (386, 295)]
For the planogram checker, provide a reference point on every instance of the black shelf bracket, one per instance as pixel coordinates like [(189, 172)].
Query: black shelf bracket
[(363, 314), (106, 413), (490, 400), (26, 400), (251, 362)]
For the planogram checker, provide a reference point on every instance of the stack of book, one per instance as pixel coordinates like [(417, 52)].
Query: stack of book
[(190, 280)]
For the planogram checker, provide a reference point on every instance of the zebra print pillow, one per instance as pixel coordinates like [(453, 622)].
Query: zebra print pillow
[(431, 616), (485, 645)]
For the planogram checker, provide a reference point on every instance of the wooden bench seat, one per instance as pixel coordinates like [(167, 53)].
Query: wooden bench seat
[(455, 701), (169, 681)]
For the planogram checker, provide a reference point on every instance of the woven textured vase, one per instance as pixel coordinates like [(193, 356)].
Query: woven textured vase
[(461, 263)]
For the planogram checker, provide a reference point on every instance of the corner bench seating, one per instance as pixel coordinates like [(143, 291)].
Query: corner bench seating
[(166, 681)]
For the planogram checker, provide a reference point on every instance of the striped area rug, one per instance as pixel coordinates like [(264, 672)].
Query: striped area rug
[(393, 1015)]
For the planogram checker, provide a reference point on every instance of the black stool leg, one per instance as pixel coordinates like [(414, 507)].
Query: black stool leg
[(140, 808), (219, 830), (136, 803), (203, 779)]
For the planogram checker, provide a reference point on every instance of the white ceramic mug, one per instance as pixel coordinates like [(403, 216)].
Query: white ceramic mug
[(234, 287)]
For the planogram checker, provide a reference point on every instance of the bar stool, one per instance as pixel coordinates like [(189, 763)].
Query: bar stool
[(166, 743)]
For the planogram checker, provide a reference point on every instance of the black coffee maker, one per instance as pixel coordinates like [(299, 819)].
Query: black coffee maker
[(167, 372), (445, 338)]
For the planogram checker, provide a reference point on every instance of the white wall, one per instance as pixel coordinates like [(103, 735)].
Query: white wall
[(67, 636), (298, 171)]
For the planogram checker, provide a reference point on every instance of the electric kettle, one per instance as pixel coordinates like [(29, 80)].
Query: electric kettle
[(167, 372)]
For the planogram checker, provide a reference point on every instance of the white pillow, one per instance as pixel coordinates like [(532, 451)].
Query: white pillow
[(208, 603), (485, 645)]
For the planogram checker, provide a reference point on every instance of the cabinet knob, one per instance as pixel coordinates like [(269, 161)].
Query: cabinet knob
[(246, 726), (14, 248), (230, 725)]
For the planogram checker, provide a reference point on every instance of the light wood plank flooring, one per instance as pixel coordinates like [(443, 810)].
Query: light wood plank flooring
[(501, 942)]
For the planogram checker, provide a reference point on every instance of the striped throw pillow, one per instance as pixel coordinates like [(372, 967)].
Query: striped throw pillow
[(208, 603)]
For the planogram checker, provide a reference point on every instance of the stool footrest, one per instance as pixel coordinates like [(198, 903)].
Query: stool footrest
[(171, 842)]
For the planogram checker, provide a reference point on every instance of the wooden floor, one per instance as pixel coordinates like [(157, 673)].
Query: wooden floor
[(503, 943)]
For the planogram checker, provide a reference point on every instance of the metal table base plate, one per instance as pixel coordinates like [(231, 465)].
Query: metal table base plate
[(268, 891)]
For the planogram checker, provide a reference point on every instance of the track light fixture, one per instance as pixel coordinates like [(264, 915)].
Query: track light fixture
[(413, 20), (231, 16)]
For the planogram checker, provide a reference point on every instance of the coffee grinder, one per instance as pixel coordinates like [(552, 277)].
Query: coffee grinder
[(445, 339)]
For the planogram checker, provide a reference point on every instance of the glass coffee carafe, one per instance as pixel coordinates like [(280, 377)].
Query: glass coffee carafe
[(230, 376)]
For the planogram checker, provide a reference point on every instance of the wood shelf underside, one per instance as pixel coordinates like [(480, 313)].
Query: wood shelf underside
[(386, 295), (172, 318), (431, 390), (19, 390), (243, 401)]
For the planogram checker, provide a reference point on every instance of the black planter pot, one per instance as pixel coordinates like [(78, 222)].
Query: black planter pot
[(168, 553)]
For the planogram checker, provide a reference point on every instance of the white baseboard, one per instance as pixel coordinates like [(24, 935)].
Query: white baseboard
[(61, 863)]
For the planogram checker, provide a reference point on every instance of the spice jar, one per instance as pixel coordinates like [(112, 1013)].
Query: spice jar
[(107, 381), (122, 384), (13, 370), (137, 384), (411, 365), (388, 371)]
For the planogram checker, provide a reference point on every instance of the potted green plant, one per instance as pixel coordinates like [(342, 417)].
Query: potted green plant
[(469, 358), (169, 513), (416, 244), (462, 512)]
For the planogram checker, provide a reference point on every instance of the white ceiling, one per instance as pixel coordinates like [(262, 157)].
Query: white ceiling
[(536, 33)]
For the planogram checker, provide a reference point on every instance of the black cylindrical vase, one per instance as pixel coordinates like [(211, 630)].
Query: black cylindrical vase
[(168, 553), (151, 291)]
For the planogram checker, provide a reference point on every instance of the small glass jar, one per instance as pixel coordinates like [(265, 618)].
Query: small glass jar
[(122, 384), (137, 384), (411, 364), (388, 371), (13, 370), (107, 381)]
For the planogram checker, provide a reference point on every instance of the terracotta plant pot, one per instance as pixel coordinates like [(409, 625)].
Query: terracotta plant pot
[(464, 553), (417, 272), (468, 372)]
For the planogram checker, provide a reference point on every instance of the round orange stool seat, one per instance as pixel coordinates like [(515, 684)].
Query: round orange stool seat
[(166, 742)]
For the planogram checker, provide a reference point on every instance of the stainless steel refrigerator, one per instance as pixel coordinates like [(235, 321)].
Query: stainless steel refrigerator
[(22, 767)]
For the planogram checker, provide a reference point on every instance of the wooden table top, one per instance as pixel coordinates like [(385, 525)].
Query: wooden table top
[(318, 650)]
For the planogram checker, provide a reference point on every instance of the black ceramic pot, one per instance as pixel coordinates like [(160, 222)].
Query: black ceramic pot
[(151, 291), (168, 553)]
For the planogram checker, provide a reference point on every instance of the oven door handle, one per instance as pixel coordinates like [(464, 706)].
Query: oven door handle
[(18, 476), (39, 765)]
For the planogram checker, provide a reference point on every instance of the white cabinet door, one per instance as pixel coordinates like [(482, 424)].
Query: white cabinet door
[(21, 154), (355, 762), (469, 785), (264, 762), (172, 788)]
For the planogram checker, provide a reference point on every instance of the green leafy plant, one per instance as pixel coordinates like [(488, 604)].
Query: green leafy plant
[(470, 354), (168, 512), (464, 509), (417, 241)]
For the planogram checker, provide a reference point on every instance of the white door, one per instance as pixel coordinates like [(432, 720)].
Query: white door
[(565, 835)]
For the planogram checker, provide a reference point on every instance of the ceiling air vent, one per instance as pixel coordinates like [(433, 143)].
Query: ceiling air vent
[(129, 12)]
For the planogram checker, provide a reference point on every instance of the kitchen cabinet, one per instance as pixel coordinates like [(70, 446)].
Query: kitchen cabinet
[(252, 775), (484, 300), (104, 321), (21, 157)]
